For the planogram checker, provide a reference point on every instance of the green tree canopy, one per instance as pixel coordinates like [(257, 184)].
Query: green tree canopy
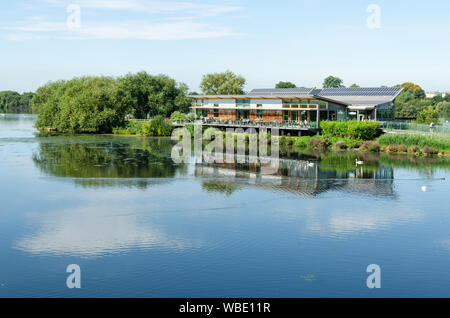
[(81, 105), (355, 85), (428, 116), (13, 102), (333, 82), (282, 84), (154, 95), (415, 89), (222, 83)]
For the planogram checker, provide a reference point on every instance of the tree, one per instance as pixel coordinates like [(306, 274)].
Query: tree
[(81, 105), (443, 109), (428, 116), (415, 89), (333, 82), (13, 102), (226, 83), (354, 85), (155, 95), (285, 85)]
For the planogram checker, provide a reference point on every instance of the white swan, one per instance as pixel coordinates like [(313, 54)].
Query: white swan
[(359, 162), (310, 164)]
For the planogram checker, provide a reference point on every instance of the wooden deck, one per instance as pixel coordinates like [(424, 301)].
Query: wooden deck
[(283, 128)]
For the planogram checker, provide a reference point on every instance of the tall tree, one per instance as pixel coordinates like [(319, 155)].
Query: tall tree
[(222, 83), (282, 84), (333, 82), (414, 88), (155, 95), (354, 85)]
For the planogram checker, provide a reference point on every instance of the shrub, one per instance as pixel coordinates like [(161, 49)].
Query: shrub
[(414, 149), (364, 130), (318, 143), (158, 126), (340, 145), (372, 146), (402, 148), (429, 151), (302, 142), (177, 115), (392, 148)]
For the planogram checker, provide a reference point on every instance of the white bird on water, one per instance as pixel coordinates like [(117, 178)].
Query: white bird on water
[(424, 188), (310, 164), (359, 162)]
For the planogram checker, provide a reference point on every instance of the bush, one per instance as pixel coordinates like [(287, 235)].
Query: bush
[(364, 130), (158, 126), (341, 145), (318, 143), (402, 148), (176, 115), (429, 151), (414, 149), (302, 142), (372, 146), (392, 148)]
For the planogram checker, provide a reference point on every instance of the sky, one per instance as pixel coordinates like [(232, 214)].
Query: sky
[(371, 43)]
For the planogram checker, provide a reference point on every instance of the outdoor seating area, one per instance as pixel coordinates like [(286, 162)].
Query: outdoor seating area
[(257, 123)]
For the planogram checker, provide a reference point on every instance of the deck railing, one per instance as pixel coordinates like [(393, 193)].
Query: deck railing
[(248, 123)]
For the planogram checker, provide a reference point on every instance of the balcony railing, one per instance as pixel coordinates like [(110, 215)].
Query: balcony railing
[(258, 123)]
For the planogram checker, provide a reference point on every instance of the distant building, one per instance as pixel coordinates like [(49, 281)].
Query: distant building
[(434, 94)]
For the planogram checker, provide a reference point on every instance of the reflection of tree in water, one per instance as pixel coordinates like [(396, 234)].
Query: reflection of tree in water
[(108, 162)]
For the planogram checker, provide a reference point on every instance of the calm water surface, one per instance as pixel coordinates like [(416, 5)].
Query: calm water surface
[(141, 226)]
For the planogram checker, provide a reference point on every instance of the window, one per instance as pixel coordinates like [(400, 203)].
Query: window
[(286, 115), (259, 105), (216, 105), (216, 113), (259, 113), (323, 105), (205, 113), (242, 103)]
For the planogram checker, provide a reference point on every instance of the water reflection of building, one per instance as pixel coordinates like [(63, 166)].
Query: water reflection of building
[(300, 177)]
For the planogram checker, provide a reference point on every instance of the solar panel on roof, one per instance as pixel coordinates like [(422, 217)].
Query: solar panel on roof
[(360, 91)]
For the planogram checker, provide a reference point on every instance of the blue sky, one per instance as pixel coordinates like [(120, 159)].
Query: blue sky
[(301, 41)]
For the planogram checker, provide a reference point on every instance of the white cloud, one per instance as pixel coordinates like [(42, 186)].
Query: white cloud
[(149, 6), (178, 20)]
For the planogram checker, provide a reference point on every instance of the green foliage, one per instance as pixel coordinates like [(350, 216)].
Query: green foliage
[(302, 141), (443, 109), (370, 145), (354, 85), (282, 84), (417, 91), (13, 102), (333, 82), (81, 105), (441, 142), (428, 116), (147, 94), (222, 83), (357, 130), (177, 115), (158, 126)]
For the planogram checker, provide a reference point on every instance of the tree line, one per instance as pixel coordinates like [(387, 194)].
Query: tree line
[(13, 102), (99, 104)]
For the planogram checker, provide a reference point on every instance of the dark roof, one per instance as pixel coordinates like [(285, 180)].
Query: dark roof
[(361, 91), (281, 91), (367, 96)]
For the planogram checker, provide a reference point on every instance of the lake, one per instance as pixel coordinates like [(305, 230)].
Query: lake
[(139, 225)]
